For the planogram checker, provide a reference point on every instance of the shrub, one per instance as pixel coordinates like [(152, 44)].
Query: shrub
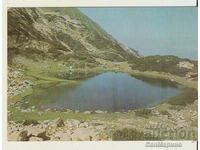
[(30, 122), (143, 113), (131, 134)]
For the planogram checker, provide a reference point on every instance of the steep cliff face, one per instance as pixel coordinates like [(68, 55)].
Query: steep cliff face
[(62, 35)]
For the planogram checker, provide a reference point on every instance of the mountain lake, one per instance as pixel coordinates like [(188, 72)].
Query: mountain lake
[(110, 91)]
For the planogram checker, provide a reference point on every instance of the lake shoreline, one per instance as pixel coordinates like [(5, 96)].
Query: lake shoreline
[(17, 115)]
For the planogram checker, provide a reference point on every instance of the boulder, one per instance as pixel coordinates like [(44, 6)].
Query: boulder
[(191, 75), (87, 112), (59, 122), (73, 123), (13, 136), (46, 122), (63, 136), (34, 130), (181, 124), (43, 136), (100, 127), (83, 134), (100, 112), (185, 65), (84, 125), (23, 136)]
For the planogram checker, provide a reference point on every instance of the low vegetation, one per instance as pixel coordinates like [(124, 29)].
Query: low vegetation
[(131, 135), (167, 64), (143, 113), (187, 96)]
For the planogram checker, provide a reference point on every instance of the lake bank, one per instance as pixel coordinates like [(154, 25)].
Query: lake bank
[(16, 114), (109, 91), (163, 117)]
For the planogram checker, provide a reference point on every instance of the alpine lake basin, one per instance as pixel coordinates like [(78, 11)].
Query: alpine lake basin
[(109, 91)]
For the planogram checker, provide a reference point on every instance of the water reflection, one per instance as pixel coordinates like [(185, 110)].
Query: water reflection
[(108, 91)]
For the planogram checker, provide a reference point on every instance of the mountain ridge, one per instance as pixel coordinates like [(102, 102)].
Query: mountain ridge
[(58, 38)]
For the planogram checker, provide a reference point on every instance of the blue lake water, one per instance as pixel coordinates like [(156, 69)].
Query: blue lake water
[(108, 91)]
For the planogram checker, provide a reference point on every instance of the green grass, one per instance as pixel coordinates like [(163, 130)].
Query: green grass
[(145, 113), (20, 96), (17, 115), (187, 96), (41, 79)]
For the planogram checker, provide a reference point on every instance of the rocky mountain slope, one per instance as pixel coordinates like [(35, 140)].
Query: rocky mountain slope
[(55, 40), (64, 35)]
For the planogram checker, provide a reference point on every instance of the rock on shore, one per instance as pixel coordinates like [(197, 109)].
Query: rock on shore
[(69, 130), (17, 82)]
